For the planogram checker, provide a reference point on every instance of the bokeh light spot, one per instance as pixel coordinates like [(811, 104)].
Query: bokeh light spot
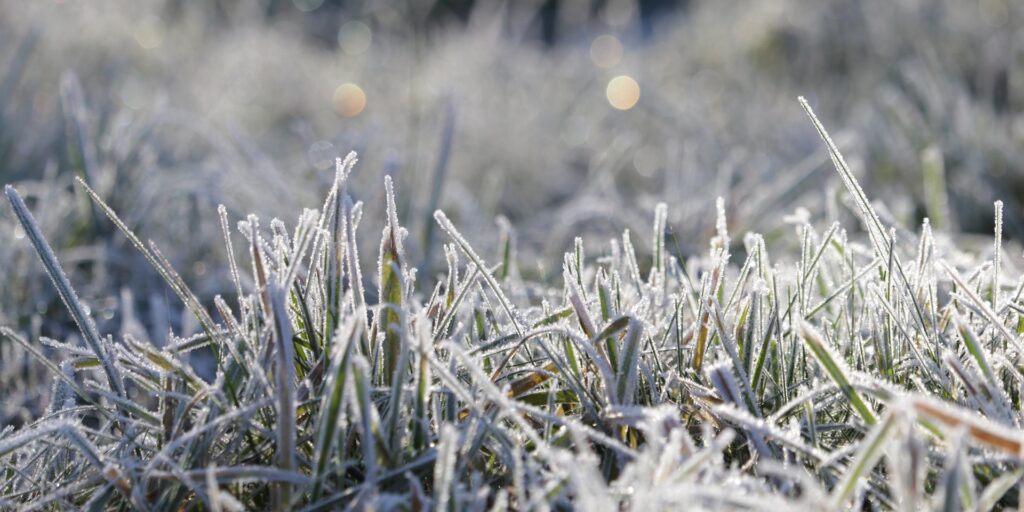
[(354, 37), (623, 92), (349, 100), (606, 51)]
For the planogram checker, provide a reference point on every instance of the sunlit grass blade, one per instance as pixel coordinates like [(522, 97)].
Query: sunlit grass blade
[(390, 285), (864, 461), (64, 289), (158, 262), (835, 369)]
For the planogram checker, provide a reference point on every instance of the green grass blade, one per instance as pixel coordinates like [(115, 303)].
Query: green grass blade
[(835, 369)]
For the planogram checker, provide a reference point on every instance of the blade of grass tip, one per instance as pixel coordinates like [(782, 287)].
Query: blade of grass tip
[(984, 307), (721, 239), (330, 210), (300, 247), (812, 424), (222, 212), (880, 240), (867, 457), (826, 239), (629, 258), (874, 225), (586, 323), (605, 300), (284, 376), (64, 289), (575, 262), (925, 247), (331, 242), (575, 299), (451, 254), (391, 266), (334, 275), (259, 272), (725, 384), (160, 264), (657, 275), (997, 249), (974, 346), (835, 369), (353, 212), (492, 283), (704, 324), (741, 280)]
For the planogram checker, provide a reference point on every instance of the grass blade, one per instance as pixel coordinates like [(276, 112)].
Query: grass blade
[(64, 289)]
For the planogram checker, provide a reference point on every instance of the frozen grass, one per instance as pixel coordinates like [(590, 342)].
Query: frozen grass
[(475, 119), (885, 376)]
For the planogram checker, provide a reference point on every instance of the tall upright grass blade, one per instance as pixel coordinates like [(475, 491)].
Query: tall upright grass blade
[(390, 270), (284, 377), (67, 294)]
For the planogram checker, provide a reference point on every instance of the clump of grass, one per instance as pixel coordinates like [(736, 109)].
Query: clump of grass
[(712, 384)]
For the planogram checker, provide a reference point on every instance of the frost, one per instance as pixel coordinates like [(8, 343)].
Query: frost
[(826, 374)]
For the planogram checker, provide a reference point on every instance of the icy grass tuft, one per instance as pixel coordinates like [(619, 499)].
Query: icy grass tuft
[(841, 378)]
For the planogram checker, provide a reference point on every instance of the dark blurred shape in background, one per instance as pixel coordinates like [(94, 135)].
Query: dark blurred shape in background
[(550, 21)]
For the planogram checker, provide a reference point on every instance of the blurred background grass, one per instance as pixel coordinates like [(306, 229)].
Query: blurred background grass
[(486, 109)]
